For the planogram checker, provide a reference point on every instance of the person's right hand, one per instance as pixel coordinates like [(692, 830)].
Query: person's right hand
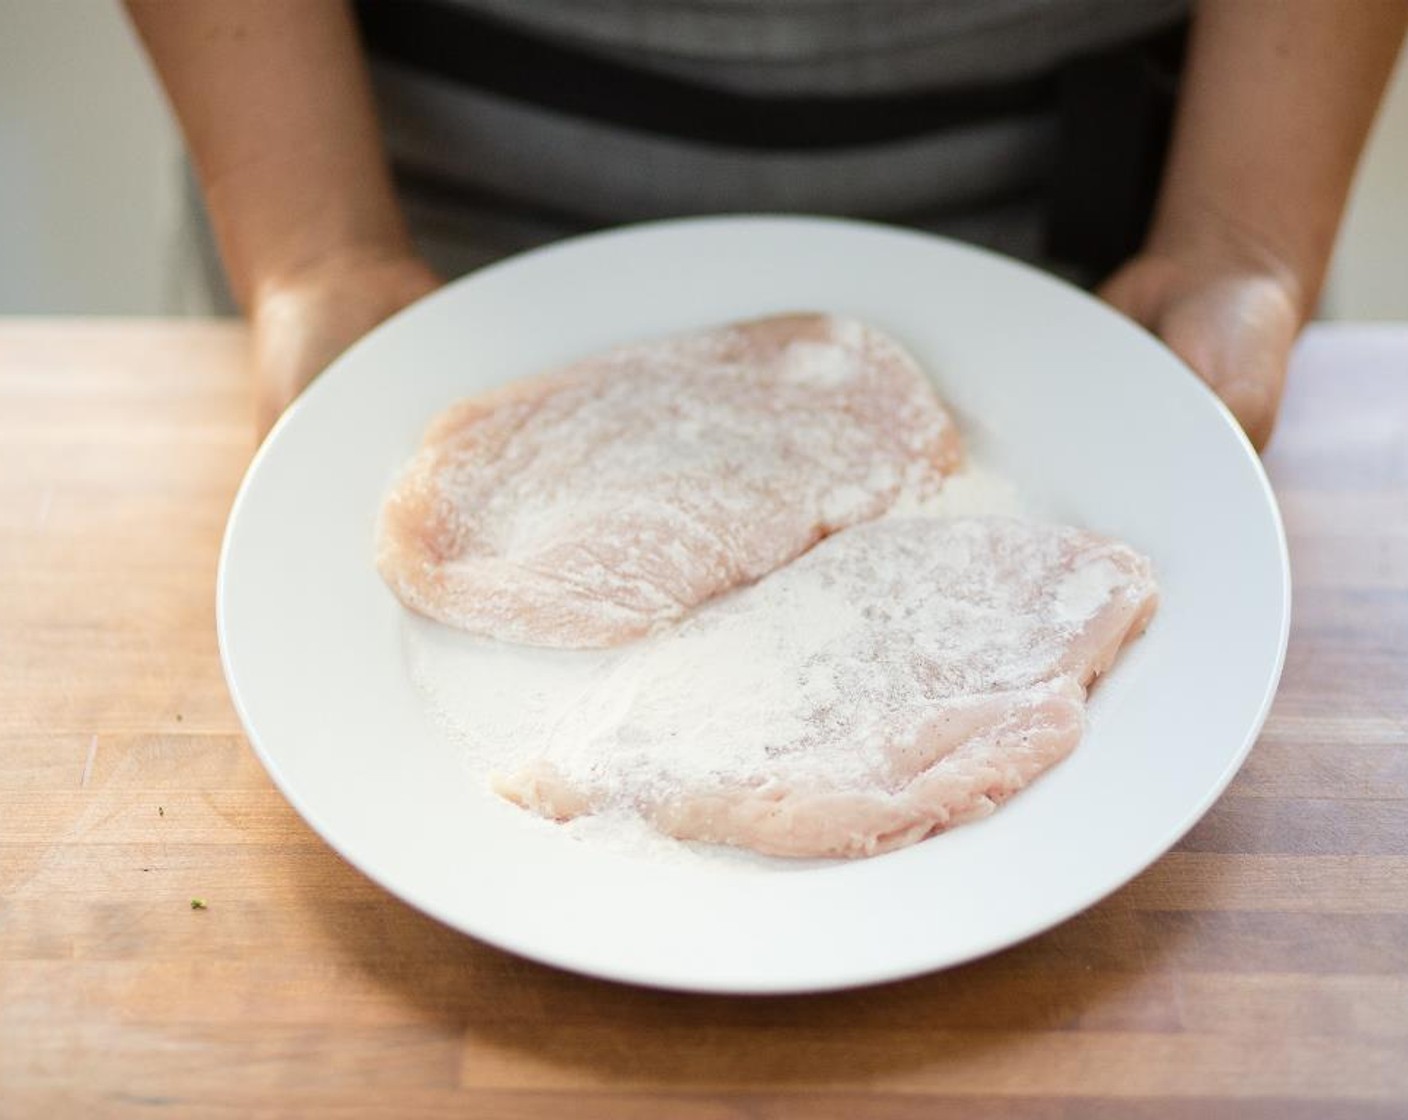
[(303, 321), (1232, 312)]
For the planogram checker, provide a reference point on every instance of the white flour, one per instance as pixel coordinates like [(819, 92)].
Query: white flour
[(507, 703), (1085, 589)]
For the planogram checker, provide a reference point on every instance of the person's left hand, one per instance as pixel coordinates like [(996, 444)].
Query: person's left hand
[(1231, 316)]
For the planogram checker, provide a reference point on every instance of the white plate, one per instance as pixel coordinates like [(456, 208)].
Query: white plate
[(1098, 421)]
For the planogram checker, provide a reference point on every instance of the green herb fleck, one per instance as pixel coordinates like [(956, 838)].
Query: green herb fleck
[(198, 904)]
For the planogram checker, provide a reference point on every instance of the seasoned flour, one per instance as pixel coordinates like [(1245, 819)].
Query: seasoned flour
[(505, 703)]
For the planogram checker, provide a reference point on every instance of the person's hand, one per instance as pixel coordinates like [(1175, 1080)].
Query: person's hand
[(1232, 313), (303, 321)]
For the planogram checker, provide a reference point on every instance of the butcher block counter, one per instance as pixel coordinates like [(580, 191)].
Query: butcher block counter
[(1260, 970)]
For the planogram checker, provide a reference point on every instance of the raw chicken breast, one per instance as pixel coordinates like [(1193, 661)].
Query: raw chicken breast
[(902, 677), (589, 506)]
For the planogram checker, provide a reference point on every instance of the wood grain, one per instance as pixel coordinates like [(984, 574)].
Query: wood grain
[(1260, 970)]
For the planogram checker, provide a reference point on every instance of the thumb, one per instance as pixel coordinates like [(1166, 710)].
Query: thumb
[(1141, 289), (288, 352), (1239, 341)]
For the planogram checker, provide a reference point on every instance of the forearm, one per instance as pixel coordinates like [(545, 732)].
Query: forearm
[(276, 107), (1278, 98)]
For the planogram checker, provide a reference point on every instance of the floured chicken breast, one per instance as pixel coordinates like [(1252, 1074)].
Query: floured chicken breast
[(902, 677), (595, 504)]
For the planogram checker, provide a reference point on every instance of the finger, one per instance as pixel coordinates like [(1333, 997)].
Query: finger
[(1237, 334), (1245, 370), (1139, 289), (1241, 349), (1254, 405), (282, 366), (267, 404), (267, 409)]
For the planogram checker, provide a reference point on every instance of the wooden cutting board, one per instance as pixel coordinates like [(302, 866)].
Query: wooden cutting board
[(1260, 970)]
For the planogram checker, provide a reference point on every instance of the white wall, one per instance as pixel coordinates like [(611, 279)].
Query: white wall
[(91, 219), (90, 165), (1369, 275)]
